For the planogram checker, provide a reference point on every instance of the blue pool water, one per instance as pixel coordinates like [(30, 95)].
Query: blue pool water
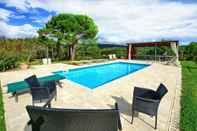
[(95, 76)]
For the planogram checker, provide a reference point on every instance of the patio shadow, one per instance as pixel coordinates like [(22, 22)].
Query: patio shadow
[(124, 107), (27, 128)]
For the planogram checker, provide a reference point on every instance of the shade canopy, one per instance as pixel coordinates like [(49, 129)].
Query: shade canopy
[(133, 45)]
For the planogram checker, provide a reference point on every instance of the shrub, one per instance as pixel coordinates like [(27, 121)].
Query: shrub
[(88, 50), (120, 52), (15, 51), (189, 52), (8, 61)]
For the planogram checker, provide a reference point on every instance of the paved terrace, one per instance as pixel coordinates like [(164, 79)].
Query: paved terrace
[(73, 95)]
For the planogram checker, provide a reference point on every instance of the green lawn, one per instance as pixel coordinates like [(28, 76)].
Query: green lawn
[(2, 118), (188, 121)]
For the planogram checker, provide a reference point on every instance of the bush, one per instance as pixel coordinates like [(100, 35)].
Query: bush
[(120, 52), (8, 61), (16, 51), (88, 50), (151, 51), (189, 52)]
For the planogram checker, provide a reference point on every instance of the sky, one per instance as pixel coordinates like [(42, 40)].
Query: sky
[(118, 21)]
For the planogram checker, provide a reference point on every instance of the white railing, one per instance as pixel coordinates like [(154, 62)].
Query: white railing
[(160, 58)]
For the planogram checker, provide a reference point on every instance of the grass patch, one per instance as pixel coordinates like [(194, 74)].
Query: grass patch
[(2, 117), (188, 117)]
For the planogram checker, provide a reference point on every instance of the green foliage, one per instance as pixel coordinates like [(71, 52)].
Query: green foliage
[(189, 97), (88, 50), (16, 51), (36, 62), (8, 61), (120, 52), (68, 29), (68, 26), (48, 44), (151, 51), (2, 117), (190, 51)]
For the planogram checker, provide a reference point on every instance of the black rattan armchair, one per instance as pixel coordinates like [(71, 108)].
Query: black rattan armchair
[(53, 119), (41, 91), (147, 101)]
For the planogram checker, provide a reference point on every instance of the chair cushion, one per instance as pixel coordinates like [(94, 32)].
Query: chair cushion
[(33, 81), (161, 91)]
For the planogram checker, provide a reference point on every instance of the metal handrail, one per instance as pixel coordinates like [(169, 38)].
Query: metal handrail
[(153, 57)]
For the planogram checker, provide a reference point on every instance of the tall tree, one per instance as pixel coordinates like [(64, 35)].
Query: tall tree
[(69, 29)]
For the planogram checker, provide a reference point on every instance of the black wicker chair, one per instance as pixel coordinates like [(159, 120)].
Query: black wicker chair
[(53, 119), (147, 101), (41, 91)]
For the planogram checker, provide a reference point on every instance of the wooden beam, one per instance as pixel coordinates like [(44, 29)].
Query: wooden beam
[(149, 44)]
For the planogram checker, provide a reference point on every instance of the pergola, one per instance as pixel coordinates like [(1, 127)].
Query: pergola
[(133, 45)]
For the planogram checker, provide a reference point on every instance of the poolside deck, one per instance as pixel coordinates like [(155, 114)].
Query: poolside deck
[(75, 96)]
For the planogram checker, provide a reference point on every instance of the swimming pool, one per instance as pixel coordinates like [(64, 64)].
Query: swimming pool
[(94, 76)]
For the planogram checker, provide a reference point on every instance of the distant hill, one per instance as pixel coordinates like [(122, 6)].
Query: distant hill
[(111, 45)]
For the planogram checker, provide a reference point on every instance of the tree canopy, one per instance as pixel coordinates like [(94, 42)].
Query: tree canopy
[(190, 51), (69, 29)]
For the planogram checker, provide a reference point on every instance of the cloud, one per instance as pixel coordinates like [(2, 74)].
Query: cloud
[(19, 4), (41, 20), (13, 31), (23, 31), (5, 14), (124, 20)]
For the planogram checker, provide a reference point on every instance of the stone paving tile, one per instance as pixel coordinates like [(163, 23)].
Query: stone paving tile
[(75, 96)]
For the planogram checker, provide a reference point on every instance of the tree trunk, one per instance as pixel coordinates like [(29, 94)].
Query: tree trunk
[(72, 51), (47, 52), (68, 52), (52, 55), (58, 53)]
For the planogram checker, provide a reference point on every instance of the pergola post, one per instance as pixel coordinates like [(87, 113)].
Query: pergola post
[(133, 53), (174, 47), (155, 52), (129, 51)]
